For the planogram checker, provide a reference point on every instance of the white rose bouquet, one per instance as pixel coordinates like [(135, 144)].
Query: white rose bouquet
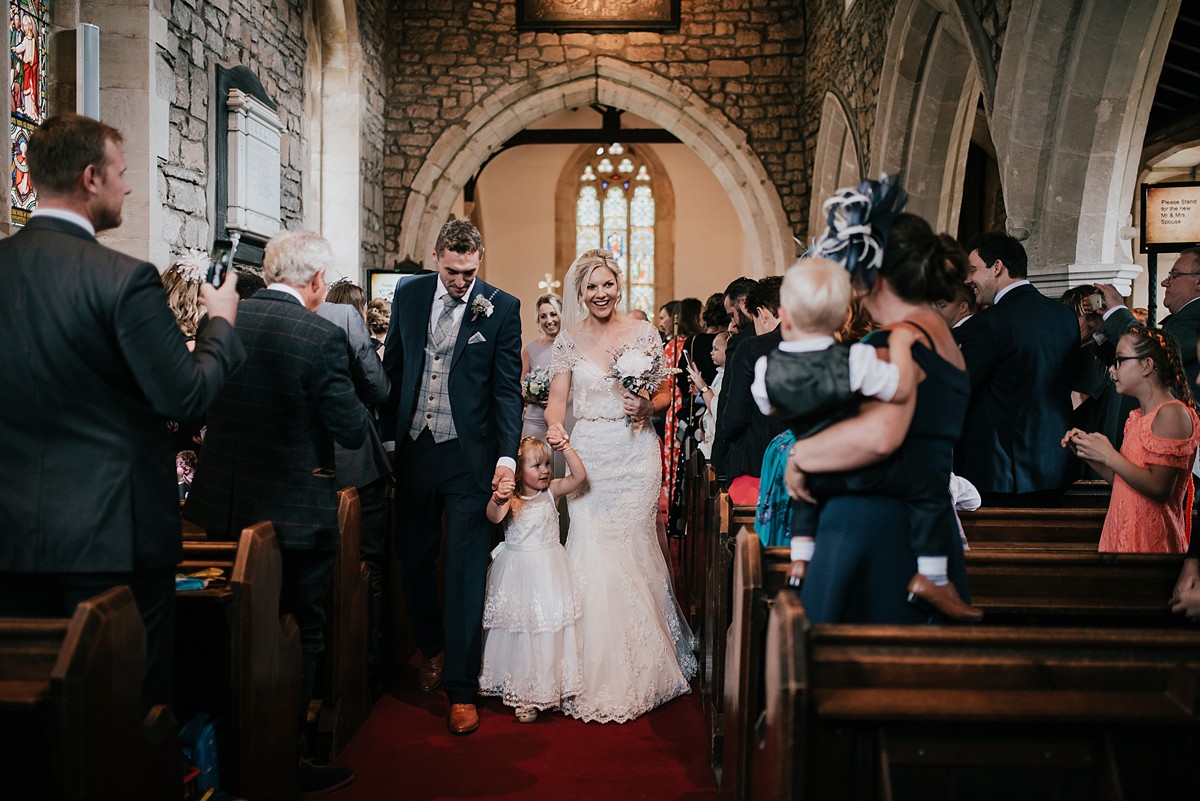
[(639, 369), (535, 386)]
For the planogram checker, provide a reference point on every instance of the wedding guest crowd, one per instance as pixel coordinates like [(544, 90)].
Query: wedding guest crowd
[(904, 365)]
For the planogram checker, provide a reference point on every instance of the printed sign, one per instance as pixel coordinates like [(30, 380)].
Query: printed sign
[(1170, 216)]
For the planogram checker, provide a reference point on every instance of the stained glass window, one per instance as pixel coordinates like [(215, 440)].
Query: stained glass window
[(615, 209), (27, 40)]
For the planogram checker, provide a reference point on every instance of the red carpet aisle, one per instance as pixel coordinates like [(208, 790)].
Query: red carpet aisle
[(404, 753)]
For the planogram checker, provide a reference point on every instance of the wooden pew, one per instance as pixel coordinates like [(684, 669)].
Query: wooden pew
[(1025, 585), (1088, 494), (696, 535), (1010, 528), (947, 712), (758, 574), (349, 700), (717, 617), (237, 657), (70, 706), (701, 530)]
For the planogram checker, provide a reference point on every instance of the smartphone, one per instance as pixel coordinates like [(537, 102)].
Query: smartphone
[(1095, 301), (222, 260)]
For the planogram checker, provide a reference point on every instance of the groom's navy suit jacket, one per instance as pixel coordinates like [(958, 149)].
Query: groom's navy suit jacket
[(1017, 354), (485, 370)]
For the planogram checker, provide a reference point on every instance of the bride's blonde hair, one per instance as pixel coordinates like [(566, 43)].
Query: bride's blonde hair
[(588, 262), (577, 277)]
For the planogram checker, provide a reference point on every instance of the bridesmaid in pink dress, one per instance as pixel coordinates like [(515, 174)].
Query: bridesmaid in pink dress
[(1150, 510)]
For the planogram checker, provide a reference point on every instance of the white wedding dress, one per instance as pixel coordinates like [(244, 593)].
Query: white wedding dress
[(637, 648)]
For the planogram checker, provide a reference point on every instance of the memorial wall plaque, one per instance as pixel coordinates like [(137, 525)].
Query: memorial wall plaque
[(254, 135), (1170, 216)]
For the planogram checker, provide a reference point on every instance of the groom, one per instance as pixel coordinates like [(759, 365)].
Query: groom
[(453, 354)]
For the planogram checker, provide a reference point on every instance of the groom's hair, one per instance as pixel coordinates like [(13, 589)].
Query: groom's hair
[(459, 236)]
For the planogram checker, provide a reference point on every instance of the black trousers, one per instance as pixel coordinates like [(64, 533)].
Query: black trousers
[(432, 480), (55, 594)]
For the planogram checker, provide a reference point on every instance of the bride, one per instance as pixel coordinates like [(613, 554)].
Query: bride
[(637, 649)]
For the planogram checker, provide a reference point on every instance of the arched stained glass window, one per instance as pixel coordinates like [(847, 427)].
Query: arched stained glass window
[(615, 210), (27, 41)]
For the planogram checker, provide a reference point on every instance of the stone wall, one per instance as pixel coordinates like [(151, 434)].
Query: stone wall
[(845, 56), (266, 37), (372, 26), (743, 57)]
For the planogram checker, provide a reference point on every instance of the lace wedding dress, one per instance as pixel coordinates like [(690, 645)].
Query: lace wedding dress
[(637, 648)]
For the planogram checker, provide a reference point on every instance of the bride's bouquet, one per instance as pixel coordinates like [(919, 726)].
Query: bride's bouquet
[(640, 370), (535, 386)]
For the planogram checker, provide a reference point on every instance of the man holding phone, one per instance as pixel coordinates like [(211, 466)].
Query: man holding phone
[(1183, 287), (94, 367)]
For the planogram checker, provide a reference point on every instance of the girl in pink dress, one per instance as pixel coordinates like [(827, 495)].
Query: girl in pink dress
[(1150, 510)]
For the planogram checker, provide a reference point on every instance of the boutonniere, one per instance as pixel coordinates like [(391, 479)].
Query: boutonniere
[(481, 305)]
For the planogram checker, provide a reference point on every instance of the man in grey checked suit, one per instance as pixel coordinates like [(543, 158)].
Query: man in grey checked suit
[(453, 354), (268, 453)]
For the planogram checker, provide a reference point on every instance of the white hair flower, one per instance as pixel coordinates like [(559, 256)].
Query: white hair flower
[(192, 264)]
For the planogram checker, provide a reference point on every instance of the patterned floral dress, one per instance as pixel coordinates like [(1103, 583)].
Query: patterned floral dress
[(1136, 523)]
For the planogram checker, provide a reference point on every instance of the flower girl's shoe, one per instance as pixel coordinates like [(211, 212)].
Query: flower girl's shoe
[(525, 714)]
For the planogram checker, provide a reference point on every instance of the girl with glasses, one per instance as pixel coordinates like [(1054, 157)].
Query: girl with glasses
[(1150, 510)]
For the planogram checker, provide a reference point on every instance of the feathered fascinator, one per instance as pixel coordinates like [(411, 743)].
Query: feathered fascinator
[(192, 264), (858, 221)]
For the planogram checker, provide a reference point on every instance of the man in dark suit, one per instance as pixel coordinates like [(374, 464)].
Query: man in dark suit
[(453, 354), (1183, 288), (1017, 353), (94, 366), (742, 425), (268, 453)]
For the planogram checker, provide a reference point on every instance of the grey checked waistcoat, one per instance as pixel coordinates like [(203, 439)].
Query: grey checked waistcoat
[(432, 409)]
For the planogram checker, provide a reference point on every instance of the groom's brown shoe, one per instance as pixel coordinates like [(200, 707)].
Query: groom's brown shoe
[(463, 719), (429, 675)]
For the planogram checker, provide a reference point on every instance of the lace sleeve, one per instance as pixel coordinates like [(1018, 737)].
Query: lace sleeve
[(647, 337), (562, 359)]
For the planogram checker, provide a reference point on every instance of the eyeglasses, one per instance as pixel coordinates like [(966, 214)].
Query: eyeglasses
[(1116, 362), (1171, 276)]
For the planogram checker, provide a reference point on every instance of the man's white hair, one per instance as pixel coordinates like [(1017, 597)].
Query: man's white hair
[(294, 257)]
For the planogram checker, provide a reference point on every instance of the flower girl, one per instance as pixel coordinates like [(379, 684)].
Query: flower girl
[(531, 657)]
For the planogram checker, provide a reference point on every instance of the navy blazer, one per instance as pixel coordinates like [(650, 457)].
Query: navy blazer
[(94, 365), (746, 430), (485, 374), (268, 451), (1018, 354)]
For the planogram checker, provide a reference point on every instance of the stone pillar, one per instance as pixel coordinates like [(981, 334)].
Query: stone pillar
[(131, 101)]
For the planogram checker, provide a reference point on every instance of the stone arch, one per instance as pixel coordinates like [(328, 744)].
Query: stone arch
[(837, 161), (926, 108), (332, 120), (1069, 131), (464, 146)]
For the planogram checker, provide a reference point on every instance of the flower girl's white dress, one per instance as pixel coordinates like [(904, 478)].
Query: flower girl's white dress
[(531, 655)]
